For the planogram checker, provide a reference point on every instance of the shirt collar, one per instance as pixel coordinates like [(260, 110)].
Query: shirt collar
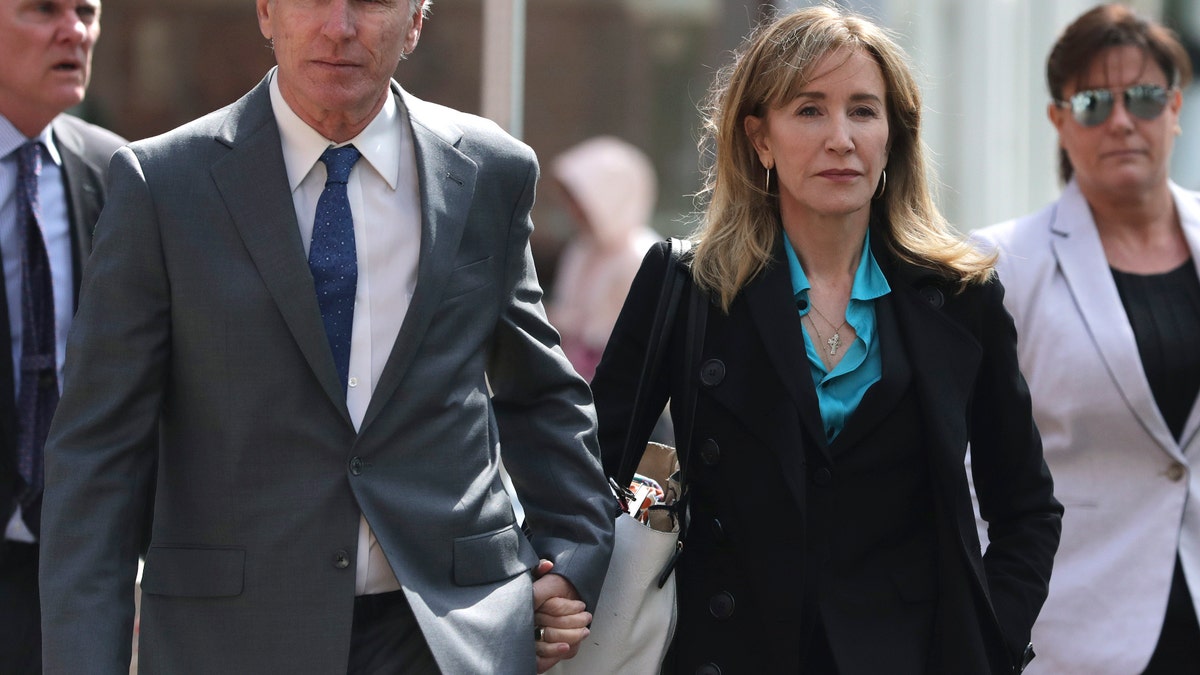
[(303, 145), (869, 282), (11, 139)]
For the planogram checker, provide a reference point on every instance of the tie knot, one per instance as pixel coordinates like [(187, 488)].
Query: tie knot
[(29, 160), (338, 162)]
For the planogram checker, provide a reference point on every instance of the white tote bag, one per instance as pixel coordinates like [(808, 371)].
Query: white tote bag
[(634, 619)]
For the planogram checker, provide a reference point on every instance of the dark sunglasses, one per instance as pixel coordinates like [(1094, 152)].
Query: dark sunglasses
[(1093, 106)]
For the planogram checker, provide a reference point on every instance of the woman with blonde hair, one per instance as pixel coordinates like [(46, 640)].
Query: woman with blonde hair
[(854, 348)]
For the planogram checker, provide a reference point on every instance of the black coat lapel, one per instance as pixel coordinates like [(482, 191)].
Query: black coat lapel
[(943, 354), (773, 311), (882, 397)]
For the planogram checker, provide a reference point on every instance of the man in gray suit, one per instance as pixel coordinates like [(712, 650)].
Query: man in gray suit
[(317, 307), (51, 191)]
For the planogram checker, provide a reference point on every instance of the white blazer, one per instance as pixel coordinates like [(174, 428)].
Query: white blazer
[(1130, 491)]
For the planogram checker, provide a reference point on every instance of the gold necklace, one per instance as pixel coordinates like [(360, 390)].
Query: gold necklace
[(835, 341)]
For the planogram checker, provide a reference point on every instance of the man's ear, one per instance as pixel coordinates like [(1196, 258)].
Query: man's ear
[(263, 7), (414, 29)]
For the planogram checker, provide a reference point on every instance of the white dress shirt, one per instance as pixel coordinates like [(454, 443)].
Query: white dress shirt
[(386, 208), (56, 231)]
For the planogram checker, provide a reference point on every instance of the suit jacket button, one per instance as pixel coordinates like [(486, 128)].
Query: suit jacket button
[(709, 669), (356, 465), (718, 531), (822, 476), (341, 560), (721, 605), (933, 296), (1176, 472), (710, 452), (712, 372)]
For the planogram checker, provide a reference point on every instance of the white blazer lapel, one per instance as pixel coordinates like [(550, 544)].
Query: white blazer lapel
[(1081, 257), (1187, 205)]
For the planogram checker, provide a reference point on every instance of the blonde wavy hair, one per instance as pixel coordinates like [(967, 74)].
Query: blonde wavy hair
[(738, 221)]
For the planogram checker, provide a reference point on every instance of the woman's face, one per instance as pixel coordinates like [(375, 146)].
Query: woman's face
[(828, 145), (1125, 154)]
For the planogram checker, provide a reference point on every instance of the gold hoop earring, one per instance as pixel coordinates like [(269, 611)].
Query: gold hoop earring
[(767, 184), (882, 185)]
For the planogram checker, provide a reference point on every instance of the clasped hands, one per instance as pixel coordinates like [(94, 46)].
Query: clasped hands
[(560, 617)]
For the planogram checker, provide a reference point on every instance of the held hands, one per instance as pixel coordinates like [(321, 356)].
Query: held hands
[(559, 615)]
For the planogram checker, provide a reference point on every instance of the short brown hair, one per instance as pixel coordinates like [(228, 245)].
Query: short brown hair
[(1104, 27)]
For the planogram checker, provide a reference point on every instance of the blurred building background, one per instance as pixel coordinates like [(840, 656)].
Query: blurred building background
[(637, 69)]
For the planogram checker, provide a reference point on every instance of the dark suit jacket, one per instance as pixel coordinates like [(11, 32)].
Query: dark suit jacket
[(85, 150), (743, 590), (199, 327)]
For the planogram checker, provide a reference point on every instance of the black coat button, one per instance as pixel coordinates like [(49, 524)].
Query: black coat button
[(718, 531), (356, 465), (710, 452), (712, 372), (721, 605), (709, 669), (341, 560), (822, 476), (933, 296)]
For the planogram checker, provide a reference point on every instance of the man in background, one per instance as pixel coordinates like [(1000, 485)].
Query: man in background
[(51, 191), (317, 308)]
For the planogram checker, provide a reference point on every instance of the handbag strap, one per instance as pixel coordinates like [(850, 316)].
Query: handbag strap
[(697, 318), (656, 346), (693, 343)]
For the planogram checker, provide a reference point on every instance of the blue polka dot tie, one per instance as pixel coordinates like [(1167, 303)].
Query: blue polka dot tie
[(37, 394), (332, 257)]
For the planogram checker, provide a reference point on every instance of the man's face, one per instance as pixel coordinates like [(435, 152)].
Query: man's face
[(336, 57), (45, 58)]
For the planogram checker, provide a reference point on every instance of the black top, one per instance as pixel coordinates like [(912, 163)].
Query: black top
[(1164, 311)]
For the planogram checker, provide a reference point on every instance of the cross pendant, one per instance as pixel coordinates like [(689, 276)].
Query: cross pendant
[(834, 342)]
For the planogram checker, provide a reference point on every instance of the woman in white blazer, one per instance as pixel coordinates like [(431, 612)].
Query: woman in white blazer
[(1104, 289)]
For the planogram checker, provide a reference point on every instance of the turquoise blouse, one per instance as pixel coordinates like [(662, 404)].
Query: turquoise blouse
[(839, 392)]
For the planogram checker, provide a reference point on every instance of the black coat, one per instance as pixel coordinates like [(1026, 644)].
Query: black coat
[(742, 580)]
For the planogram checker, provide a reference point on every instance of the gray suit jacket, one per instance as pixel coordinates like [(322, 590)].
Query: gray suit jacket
[(85, 150), (199, 325)]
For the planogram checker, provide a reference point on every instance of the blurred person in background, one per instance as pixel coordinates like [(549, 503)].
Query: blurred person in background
[(52, 169), (855, 347), (1103, 287), (610, 188)]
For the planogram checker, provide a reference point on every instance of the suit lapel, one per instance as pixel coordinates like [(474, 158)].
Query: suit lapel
[(882, 396), (768, 298), (943, 356), (1188, 207), (252, 180), (1084, 265), (447, 187), (84, 188)]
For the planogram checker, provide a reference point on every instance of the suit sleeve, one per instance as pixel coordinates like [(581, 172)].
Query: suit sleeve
[(103, 437), (546, 422), (1012, 481)]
